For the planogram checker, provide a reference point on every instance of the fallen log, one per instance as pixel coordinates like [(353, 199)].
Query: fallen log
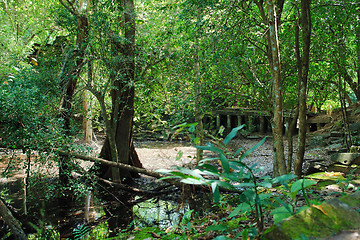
[(172, 181), (121, 165), (12, 222)]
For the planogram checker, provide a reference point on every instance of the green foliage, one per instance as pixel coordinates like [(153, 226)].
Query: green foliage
[(27, 112), (81, 232), (254, 197)]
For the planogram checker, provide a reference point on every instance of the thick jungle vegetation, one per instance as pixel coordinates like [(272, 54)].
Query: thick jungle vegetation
[(127, 69)]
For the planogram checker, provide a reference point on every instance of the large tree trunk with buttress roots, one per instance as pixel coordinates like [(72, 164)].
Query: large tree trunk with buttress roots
[(122, 94)]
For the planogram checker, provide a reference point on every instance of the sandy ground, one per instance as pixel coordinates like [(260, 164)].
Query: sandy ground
[(159, 155)]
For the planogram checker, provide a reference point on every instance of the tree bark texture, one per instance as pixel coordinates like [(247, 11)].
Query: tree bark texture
[(277, 95), (198, 112), (122, 95), (291, 129), (303, 68), (12, 222)]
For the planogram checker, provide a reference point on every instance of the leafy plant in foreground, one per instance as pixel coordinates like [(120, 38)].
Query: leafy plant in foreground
[(235, 175)]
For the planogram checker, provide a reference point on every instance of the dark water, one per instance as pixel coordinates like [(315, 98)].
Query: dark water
[(43, 208)]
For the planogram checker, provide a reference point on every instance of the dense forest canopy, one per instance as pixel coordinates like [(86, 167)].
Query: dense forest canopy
[(188, 58), (130, 68)]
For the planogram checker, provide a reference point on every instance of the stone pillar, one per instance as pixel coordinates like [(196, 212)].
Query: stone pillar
[(239, 120), (262, 125), (251, 126), (228, 122), (218, 121)]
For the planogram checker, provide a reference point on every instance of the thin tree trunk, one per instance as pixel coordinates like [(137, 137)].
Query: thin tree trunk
[(87, 113), (290, 134), (198, 113), (357, 41), (346, 128), (303, 68), (277, 95)]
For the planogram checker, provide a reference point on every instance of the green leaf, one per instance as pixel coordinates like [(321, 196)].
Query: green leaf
[(218, 227), (245, 185), (252, 149), (224, 184), (232, 134), (222, 237), (284, 180), (302, 183), (281, 213), (210, 148), (193, 181), (237, 165), (265, 184), (215, 191), (210, 168), (179, 155), (241, 208), (224, 163), (194, 173), (167, 177), (238, 151), (302, 208), (191, 128)]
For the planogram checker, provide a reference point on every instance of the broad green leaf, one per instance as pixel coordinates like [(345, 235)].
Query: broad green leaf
[(284, 204), (210, 148), (224, 184), (250, 194), (252, 149), (302, 184), (237, 164), (193, 181), (284, 180), (210, 168), (224, 163), (265, 184), (241, 208), (265, 196), (232, 134), (281, 213), (218, 227)]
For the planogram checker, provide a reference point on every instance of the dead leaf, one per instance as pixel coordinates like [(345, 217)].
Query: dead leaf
[(319, 207)]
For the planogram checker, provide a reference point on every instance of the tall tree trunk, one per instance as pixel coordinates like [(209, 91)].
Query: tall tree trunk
[(70, 74), (198, 112), (357, 41), (303, 68), (87, 113), (277, 95), (291, 129), (346, 128), (122, 94)]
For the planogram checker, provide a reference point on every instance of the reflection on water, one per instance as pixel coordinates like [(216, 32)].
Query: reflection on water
[(157, 212)]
